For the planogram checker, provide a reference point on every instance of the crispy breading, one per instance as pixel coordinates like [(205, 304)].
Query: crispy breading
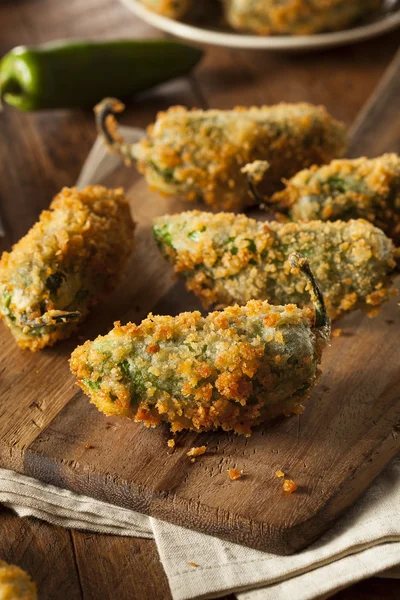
[(72, 257), (296, 17), (234, 474), (169, 8), (227, 258), (347, 189), (196, 451), (231, 369), (15, 584), (289, 486), (198, 155)]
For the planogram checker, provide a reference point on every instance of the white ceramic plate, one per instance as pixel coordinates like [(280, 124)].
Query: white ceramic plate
[(388, 20)]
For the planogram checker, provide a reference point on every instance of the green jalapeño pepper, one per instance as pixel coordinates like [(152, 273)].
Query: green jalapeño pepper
[(81, 73)]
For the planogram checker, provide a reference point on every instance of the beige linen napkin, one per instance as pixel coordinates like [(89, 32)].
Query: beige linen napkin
[(366, 541), (31, 498)]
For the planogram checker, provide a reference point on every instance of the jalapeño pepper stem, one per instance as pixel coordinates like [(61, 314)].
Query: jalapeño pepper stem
[(107, 126), (255, 172), (299, 262)]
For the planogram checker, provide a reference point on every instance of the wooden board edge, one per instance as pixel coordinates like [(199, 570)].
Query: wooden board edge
[(215, 521), (374, 104)]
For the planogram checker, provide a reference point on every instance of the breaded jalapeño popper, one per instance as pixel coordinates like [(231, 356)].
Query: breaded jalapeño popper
[(198, 155), (15, 583), (169, 8), (70, 259), (231, 369), (346, 189), (296, 17), (227, 258)]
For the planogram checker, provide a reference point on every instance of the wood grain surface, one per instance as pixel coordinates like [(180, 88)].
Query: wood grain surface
[(333, 451), (43, 151)]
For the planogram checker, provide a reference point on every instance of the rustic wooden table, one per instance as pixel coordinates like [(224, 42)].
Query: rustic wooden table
[(39, 153)]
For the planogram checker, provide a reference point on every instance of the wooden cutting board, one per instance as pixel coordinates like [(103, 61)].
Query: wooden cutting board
[(347, 434)]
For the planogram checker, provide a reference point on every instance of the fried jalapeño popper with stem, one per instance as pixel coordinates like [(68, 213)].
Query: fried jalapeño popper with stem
[(69, 260), (232, 369), (229, 258), (361, 188), (197, 155)]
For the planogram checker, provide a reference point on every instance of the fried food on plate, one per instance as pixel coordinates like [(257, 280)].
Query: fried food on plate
[(169, 8), (15, 584), (232, 369), (72, 257), (227, 258), (296, 17), (347, 189), (198, 155)]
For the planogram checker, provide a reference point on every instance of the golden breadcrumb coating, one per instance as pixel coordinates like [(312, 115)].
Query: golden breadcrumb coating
[(289, 486), (169, 8), (72, 257), (198, 155), (227, 258), (196, 451), (232, 369), (347, 189), (15, 584), (296, 17), (234, 474)]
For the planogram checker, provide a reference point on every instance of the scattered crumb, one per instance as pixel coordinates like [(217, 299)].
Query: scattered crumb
[(280, 217), (289, 486), (279, 473), (192, 564), (374, 312), (197, 451), (336, 332), (192, 460), (235, 474), (256, 170), (171, 443), (88, 446)]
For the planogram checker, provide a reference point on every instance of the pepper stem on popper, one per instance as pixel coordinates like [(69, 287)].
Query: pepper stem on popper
[(298, 262), (54, 317), (255, 172), (107, 127)]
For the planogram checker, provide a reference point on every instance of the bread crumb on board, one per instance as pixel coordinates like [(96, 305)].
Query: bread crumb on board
[(279, 473), (171, 443), (289, 486), (192, 564), (337, 332), (197, 451), (88, 446), (234, 474)]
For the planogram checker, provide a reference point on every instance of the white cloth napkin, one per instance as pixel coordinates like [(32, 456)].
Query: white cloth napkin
[(365, 542)]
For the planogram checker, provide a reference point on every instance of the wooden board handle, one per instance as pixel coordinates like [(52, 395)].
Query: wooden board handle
[(377, 127)]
